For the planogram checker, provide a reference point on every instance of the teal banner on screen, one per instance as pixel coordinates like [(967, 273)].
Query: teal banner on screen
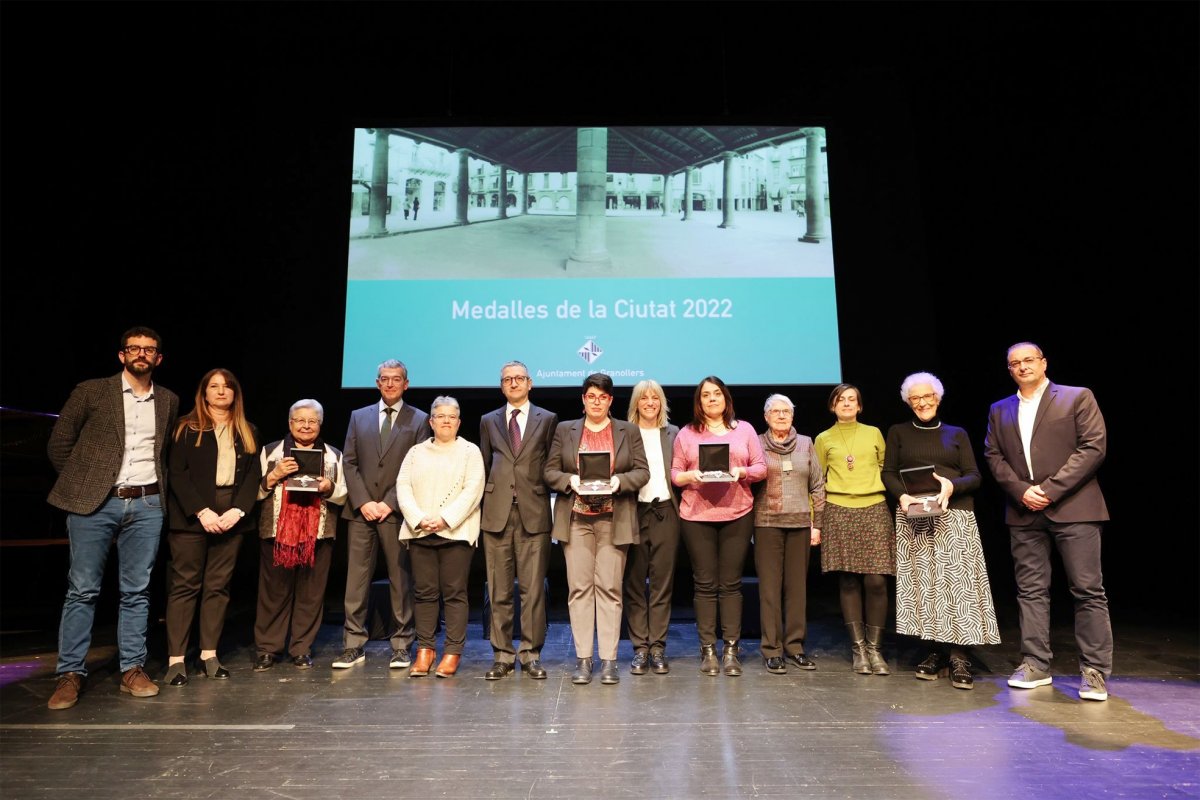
[(767, 331)]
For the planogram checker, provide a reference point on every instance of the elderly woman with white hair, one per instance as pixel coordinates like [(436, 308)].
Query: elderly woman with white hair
[(296, 531), (788, 510), (942, 591)]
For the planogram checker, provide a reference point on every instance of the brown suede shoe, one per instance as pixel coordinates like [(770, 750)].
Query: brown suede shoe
[(136, 682), (448, 665), (424, 661), (66, 691)]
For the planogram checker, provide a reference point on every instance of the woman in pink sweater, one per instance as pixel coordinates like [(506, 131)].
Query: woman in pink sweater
[(716, 518)]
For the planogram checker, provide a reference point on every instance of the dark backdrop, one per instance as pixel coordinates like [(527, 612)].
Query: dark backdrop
[(999, 172)]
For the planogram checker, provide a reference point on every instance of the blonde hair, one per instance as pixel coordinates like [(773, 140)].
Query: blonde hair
[(639, 390)]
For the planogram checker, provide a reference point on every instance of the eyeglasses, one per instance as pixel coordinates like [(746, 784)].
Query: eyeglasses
[(133, 350), (306, 423), (1027, 361), (927, 399), (390, 381), (514, 379), (597, 398), (443, 417), (781, 412)]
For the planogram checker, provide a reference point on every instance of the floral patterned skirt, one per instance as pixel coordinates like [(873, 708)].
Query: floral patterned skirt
[(861, 540)]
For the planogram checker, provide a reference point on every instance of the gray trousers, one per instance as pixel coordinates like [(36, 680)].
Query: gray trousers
[(364, 541), (514, 553), (1078, 544)]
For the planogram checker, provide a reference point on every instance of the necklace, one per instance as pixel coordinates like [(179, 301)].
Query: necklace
[(927, 427), (849, 447)]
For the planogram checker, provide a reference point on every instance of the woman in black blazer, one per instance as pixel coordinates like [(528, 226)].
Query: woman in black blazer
[(214, 472)]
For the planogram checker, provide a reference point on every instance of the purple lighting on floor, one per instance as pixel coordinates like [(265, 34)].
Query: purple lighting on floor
[(1047, 743), (19, 670)]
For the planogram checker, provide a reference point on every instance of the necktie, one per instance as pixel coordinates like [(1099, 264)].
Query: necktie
[(386, 429), (514, 432)]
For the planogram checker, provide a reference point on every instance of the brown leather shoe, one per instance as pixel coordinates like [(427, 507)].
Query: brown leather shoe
[(448, 665), (66, 691), (423, 662), (136, 682)]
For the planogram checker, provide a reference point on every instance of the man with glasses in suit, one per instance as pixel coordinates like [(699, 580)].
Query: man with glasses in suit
[(514, 440)]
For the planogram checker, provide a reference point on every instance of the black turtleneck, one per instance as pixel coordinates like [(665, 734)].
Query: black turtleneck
[(917, 444)]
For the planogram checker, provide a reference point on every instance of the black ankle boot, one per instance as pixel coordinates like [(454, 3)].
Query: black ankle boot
[(708, 660), (858, 648), (874, 656), (729, 660)]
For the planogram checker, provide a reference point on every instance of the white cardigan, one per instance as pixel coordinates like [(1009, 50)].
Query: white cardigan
[(444, 481)]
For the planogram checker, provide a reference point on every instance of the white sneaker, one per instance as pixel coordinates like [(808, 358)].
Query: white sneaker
[(1028, 676), (1092, 685), (349, 657)]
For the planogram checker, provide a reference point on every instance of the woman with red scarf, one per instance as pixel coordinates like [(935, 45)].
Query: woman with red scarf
[(296, 528)]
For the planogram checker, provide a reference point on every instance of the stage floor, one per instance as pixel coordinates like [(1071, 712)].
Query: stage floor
[(370, 731)]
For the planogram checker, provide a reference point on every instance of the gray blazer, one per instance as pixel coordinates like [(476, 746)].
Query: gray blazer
[(629, 465), (1068, 446), (371, 468), (521, 475), (87, 443)]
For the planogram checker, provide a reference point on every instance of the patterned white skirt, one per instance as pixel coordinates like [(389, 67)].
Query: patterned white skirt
[(942, 588)]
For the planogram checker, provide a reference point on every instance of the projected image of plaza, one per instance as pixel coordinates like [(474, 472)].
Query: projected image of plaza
[(597, 249), (629, 202)]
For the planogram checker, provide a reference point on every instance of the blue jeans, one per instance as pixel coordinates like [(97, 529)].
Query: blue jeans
[(136, 524)]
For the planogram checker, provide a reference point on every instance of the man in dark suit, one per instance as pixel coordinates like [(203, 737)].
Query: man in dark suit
[(514, 440), (108, 449), (377, 441), (1044, 446)]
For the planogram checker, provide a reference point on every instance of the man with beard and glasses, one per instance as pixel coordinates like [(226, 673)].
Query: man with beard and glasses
[(108, 449)]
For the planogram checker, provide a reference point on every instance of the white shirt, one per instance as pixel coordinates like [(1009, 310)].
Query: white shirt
[(657, 488), (137, 463), (1026, 412)]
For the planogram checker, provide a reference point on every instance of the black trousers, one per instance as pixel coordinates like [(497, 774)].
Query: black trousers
[(201, 567), (516, 553), (291, 602), (781, 561), (648, 608), (440, 571), (718, 553)]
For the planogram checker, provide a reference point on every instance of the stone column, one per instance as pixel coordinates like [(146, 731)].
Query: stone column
[(814, 186), (687, 193), (503, 192), (377, 225), (728, 185), (464, 188), (524, 192), (591, 159), (665, 200)]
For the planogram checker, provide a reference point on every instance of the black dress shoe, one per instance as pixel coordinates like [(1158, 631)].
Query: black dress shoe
[(535, 670), (213, 669), (176, 675), (930, 668), (499, 670), (802, 661), (640, 663), (583, 671), (658, 661), (776, 666), (263, 662), (302, 662), (609, 672)]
